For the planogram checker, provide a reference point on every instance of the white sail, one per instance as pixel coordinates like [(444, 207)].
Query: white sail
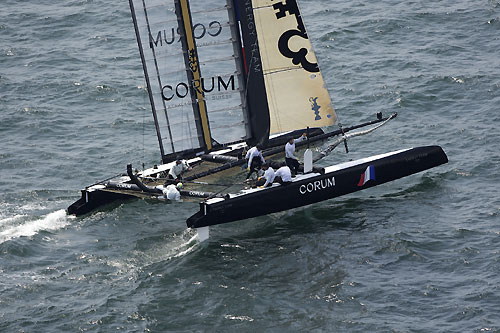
[(177, 97), (164, 67), (296, 91), (221, 86)]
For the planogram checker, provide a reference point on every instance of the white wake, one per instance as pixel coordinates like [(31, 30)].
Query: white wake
[(22, 226)]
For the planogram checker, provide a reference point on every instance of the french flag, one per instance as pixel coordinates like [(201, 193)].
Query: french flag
[(368, 175)]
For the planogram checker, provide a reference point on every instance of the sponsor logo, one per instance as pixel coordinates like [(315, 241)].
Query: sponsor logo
[(317, 185), (181, 90), (251, 47), (200, 30), (416, 158), (288, 9), (196, 194), (315, 107), (127, 186), (193, 60)]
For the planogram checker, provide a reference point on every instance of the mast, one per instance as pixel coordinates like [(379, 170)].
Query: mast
[(193, 70)]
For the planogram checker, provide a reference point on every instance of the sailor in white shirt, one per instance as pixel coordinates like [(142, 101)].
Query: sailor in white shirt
[(255, 159), (171, 192), (267, 179), (283, 175), (178, 169), (291, 160)]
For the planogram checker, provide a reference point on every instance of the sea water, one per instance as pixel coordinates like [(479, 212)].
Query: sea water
[(419, 254)]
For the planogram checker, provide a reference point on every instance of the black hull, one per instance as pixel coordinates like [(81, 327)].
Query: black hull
[(115, 188), (332, 184), (93, 200)]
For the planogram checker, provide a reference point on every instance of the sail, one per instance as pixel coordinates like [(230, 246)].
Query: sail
[(220, 66), (296, 93), (192, 72)]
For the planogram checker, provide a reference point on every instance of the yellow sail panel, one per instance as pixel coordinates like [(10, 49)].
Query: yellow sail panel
[(295, 88)]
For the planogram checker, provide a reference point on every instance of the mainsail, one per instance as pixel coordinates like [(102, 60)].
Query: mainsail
[(220, 72), (191, 71)]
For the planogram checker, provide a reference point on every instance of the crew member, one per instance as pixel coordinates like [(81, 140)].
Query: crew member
[(171, 192), (255, 159), (291, 160), (283, 175), (267, 179), (178, 169)]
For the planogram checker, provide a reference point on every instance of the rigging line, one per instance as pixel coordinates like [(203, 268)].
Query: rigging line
[(179, 105), (182, 122), (218, 192), (230, 58), (185, 138), (262, 7), (159, 53), (163, 6), (230, 108), (249, 72), (143, 123), (215, 9), (215, 43), (226, 74), (150, 93), (158, 72), (193, 182), (178, 71), (230, 125), (289, 69), (344, 137)]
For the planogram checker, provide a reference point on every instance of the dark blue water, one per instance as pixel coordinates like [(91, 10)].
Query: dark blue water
[(421, 254)]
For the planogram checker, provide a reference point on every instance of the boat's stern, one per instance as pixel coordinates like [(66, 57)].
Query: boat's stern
[(92, 198)]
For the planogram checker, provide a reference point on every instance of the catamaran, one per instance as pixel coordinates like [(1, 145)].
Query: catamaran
[(223, 76)]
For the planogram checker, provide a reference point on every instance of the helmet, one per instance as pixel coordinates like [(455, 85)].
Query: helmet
[(179, 185)]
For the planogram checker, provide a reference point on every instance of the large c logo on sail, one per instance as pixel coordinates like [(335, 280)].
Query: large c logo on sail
[(299, 57)]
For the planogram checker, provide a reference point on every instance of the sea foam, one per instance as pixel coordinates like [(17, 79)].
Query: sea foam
[(23, 226)]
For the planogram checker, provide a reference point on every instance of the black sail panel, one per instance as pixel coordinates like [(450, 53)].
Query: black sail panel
[(255, 94)]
